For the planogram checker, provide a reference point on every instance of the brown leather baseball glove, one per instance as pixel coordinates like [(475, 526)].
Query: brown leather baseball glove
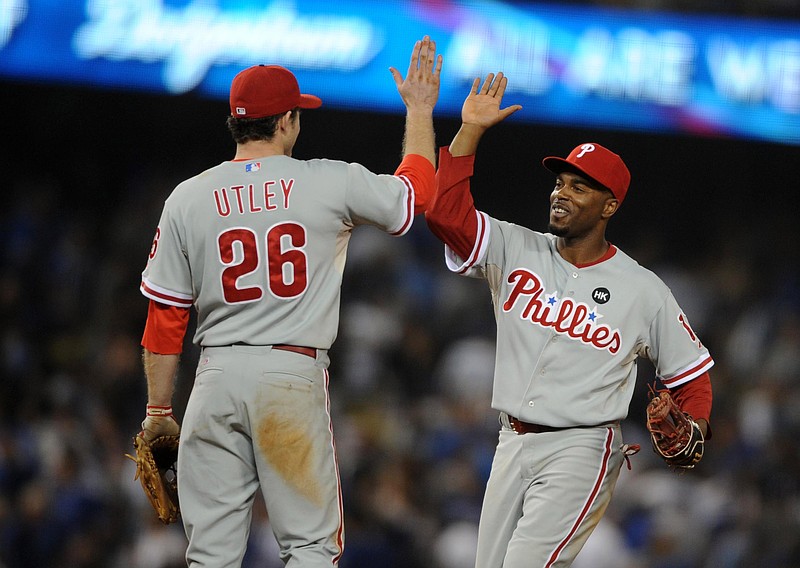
[(675, 435), (156, 470)]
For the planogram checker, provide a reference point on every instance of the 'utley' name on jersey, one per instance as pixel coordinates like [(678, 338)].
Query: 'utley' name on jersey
[(247, 199), (565, 315)]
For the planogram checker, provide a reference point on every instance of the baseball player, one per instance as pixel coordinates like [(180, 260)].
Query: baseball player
[(257, 245), (573, 315)]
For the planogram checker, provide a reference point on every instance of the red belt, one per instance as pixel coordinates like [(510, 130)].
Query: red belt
[(307, 351), (521, 427)]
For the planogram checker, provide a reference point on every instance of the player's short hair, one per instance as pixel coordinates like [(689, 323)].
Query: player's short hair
[(254, 129)]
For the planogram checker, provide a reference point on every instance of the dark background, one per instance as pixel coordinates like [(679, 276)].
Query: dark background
[(698, 190)]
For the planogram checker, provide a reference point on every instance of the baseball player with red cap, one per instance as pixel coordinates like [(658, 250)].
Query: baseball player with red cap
[(573, 315), (257, 246)]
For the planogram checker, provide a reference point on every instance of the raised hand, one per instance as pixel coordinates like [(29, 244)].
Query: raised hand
[(420, 89), (482, 107), (480, 111)]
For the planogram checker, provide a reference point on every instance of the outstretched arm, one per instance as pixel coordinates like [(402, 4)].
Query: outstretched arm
[(453, 217), (420, 92)]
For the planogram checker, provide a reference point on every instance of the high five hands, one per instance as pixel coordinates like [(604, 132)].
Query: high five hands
[(420, 92), (480, 111), (482, 106), (420, 88)]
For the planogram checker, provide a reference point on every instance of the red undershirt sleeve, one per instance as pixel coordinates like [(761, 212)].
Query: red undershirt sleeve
[(165, 328), (695, 398), (452, 216), (420, 174)]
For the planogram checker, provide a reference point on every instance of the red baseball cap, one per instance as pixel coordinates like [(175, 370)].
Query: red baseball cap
[(598, 164), (267, 90)]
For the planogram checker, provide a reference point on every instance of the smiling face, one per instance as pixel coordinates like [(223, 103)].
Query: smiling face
[(579, 207)]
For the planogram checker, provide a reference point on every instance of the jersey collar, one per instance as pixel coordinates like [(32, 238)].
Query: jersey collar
[(612, 250)]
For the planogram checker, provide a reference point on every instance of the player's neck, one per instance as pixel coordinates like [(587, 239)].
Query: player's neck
[(582, 251), (260, 149)]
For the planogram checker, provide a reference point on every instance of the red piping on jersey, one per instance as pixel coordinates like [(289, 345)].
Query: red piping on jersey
[(409, 206), (165, 298), (704, 365), (409, 210), (612, 250), (473, 257), (590, 501), (408, 183)]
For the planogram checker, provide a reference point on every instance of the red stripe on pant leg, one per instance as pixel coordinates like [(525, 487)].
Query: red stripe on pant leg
[(340, 531), (589, 502)]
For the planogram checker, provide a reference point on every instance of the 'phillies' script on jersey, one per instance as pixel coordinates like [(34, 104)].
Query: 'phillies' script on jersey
[(248, 199), (565, 315)]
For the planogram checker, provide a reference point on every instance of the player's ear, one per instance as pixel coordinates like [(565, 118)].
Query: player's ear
[(285, 120), (610, 207)]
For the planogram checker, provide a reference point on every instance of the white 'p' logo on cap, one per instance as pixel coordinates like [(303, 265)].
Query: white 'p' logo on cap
[(584, 149)]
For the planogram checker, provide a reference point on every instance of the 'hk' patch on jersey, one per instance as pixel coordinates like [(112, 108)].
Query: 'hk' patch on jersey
[(252, 166), (601, 295)]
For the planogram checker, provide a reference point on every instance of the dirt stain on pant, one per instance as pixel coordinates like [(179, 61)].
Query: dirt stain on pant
[(286, 444)]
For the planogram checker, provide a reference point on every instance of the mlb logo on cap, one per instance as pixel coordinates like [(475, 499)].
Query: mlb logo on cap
[(598, 164)]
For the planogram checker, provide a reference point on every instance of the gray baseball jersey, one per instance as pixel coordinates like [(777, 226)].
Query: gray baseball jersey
[(568, 338), (258, 247), (280, 229), (568, 341)]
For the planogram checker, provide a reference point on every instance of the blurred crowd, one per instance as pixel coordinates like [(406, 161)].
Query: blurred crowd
[(411, 381)]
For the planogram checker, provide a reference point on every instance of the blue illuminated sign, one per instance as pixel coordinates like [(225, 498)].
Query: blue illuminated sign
[(581, 66)]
